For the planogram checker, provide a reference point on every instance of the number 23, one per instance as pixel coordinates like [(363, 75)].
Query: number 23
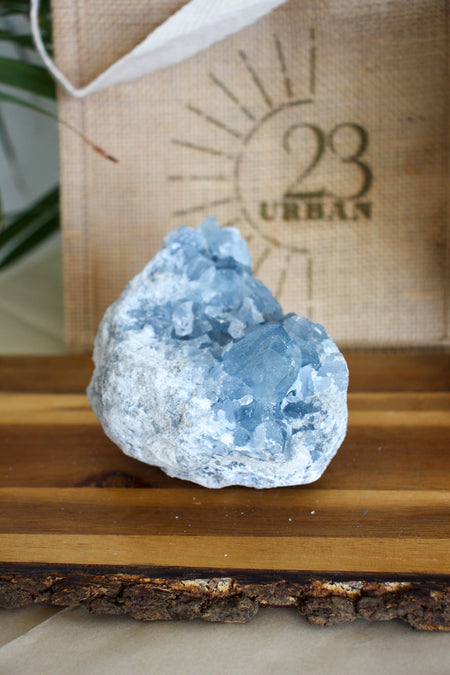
[(329, 141)]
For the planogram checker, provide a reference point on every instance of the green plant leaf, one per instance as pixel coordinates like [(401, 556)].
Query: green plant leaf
[(9, 98), (24, 40), (27, 76), (30, 217), (14, 7), (9, 8), (47, 226), (21, 233), (9, 151)]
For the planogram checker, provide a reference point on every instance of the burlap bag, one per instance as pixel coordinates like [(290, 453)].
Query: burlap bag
[(319, 131)]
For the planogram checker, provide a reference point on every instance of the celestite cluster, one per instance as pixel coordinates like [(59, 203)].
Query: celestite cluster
[(199, 372)]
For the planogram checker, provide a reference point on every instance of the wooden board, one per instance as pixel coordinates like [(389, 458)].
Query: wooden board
[(82, 523)]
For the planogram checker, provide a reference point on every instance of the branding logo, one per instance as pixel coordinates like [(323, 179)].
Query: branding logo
[(293, 164), (291, 169), (289, 186)]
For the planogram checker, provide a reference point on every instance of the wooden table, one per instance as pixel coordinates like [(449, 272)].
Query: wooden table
[(81, 523)]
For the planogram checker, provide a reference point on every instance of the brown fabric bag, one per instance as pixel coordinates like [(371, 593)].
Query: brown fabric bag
[(320, 131)]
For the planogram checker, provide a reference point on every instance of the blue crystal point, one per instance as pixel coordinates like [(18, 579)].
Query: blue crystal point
[(199, 372)]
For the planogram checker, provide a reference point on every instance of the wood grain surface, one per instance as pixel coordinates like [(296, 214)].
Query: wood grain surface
[(69, 496)]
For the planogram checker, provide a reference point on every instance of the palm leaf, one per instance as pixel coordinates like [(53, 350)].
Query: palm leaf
[(47, 226), (9, 150), (26, 76), (9, 7), (21, 233), (29, 228), (10, 98), (24, 40), (29, 217)]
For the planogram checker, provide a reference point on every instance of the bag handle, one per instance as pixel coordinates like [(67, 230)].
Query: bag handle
[(196, 26)]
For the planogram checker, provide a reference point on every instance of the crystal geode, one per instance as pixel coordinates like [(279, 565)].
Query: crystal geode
[(199, 372)]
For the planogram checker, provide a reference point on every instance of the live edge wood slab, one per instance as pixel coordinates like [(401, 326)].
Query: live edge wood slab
[(81, 523)]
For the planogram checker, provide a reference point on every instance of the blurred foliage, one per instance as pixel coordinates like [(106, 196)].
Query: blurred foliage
[(21, 80)]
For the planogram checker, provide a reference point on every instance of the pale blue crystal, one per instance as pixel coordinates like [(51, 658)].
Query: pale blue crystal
[(199, 372)]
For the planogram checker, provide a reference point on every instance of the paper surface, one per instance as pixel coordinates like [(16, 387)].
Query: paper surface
[(196, 26), (275, 641)]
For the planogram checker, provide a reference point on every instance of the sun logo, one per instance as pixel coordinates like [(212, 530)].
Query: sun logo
[(287, 171)]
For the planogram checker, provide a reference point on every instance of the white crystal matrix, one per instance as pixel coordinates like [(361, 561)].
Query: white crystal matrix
[(199, 372)]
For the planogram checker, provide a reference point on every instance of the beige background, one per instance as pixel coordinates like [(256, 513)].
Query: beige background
[(221, 134)]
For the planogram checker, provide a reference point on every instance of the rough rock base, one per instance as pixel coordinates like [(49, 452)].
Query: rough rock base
[(146, 596)]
